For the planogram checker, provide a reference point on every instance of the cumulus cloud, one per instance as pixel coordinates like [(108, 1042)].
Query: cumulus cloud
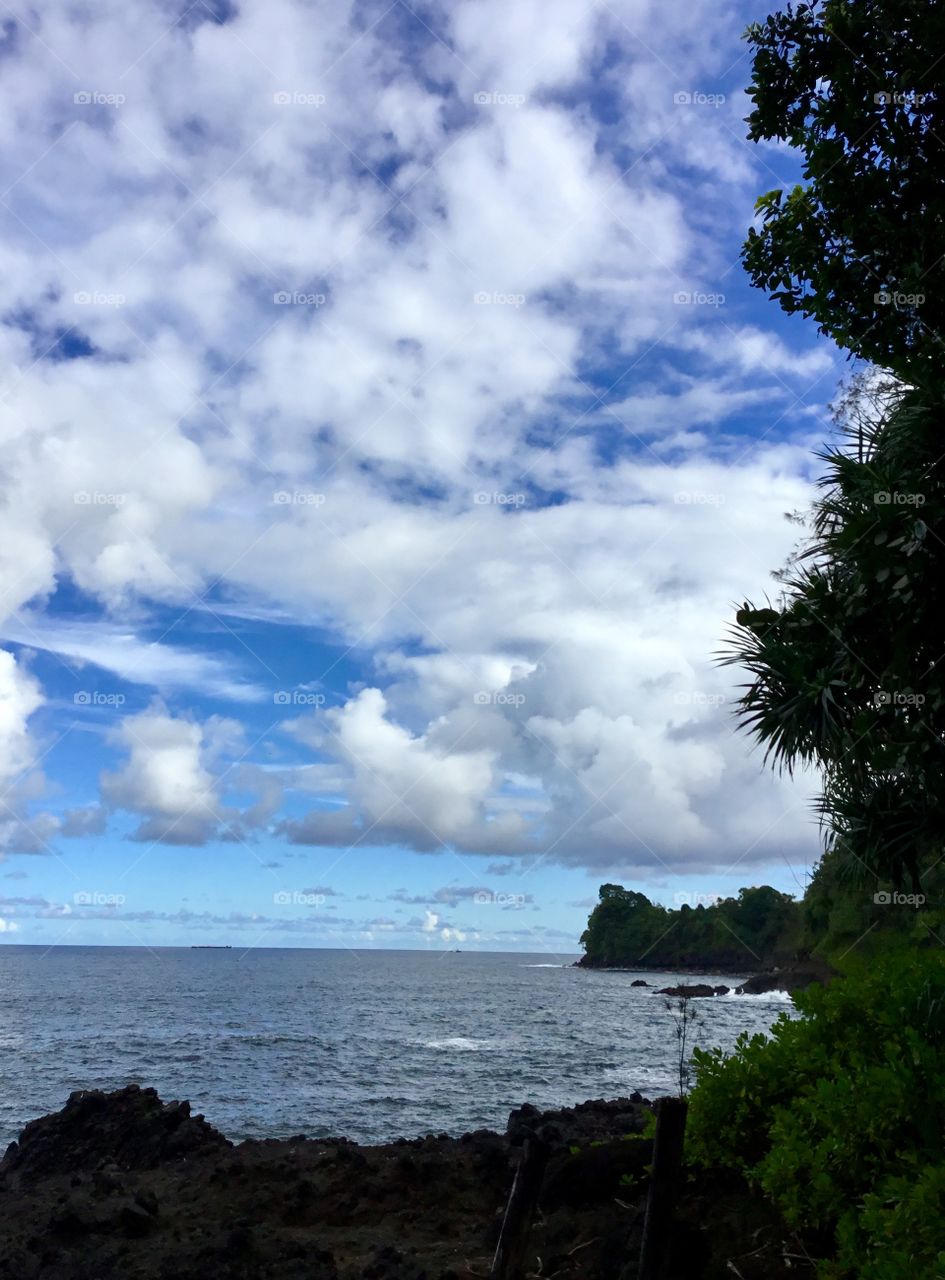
[(310, 319), (89, 820), (21, 782), (427, 791), (20, 696), (171, 777)]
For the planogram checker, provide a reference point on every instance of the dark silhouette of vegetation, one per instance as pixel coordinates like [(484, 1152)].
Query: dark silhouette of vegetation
[(685, 1019), (855, 86), (846, 668), (838, 1117), (627, 930)]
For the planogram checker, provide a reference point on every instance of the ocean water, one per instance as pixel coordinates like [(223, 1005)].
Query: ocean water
[(372, 1045)]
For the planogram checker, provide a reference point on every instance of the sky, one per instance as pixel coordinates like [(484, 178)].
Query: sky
[(388, 434)]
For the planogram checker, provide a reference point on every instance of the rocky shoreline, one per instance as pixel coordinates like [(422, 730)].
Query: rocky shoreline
[(788, 978), (121, 1186)]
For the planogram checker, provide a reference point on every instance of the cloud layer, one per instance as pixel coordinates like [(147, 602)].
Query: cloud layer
[(365, 319)]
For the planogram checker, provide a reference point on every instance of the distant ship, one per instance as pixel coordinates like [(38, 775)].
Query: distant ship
[(210, 946)]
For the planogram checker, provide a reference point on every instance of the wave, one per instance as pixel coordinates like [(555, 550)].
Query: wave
[(773, 997), (545, 966), (458, 1044)]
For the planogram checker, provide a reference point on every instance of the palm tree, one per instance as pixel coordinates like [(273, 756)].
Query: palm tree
[(845, 668)]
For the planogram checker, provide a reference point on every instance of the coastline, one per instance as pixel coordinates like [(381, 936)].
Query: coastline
[(123, 1186), (791, 976)]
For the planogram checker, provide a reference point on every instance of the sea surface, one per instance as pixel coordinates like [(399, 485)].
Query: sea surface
[(372, 1045)]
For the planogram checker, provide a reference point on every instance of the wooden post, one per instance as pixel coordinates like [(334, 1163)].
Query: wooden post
[(664, 1187), (513, 1238)]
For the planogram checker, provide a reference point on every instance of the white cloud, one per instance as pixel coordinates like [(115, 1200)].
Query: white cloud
[(21, 781), (20, 696), (170, 777), (382, 398), (130, 658)]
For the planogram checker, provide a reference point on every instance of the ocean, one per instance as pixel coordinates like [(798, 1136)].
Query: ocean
[(371, 1044)]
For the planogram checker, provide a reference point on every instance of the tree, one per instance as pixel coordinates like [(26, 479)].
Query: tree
[(855, 85), (625, 929), (846, 672)]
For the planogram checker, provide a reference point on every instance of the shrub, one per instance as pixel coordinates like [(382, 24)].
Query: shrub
[(840, 1117)]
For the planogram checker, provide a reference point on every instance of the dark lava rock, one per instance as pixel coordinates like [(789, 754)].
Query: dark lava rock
[(136, 1221), (522, 1123), (389, 1263), (639, 982), (698, 991), (594, 1121), (127, 1129), (790, 978)]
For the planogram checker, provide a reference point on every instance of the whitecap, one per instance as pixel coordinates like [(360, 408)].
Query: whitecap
[(459, 1044), (775, 997)]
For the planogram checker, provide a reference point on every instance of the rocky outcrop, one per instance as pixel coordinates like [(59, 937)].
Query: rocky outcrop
[(592, 1121), (789, 978), (120, 1186), (130, 1129)]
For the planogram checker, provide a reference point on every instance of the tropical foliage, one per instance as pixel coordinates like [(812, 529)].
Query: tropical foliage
[(855, 86), (627, 930), (839, 1118), (846, 669)]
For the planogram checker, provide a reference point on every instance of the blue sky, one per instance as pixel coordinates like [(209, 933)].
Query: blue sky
[(387, 432)]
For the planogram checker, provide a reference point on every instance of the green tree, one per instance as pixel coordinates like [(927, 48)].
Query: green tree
[(846, 671), (627, 930), (855, 86)]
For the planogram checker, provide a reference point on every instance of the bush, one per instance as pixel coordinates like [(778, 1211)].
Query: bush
[(840, 1118)]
